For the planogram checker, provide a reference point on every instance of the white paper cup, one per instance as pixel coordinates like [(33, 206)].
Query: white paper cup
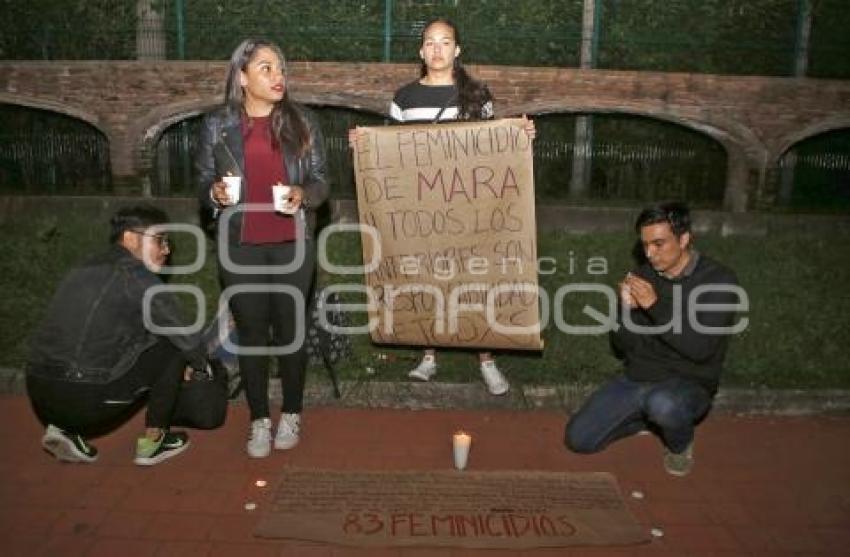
[(280, 198), (460, 447), (233, 185)]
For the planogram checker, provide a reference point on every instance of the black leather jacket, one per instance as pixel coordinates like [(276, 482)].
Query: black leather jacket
[(221, 152), (94, 329)]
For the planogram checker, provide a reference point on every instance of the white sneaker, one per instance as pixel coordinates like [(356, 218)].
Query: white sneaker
[(426, 369), (260, 441), (288, 431), (496, 382)]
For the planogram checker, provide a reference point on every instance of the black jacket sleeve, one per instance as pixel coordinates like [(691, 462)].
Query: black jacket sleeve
[(205, 161), (314, 165), (164, 310)]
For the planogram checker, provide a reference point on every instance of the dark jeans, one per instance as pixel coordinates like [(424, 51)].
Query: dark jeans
[(258, 313), (623, 407), (91, 408)]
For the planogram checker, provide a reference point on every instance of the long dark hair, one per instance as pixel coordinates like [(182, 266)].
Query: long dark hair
[(472, 94), (287, 125)]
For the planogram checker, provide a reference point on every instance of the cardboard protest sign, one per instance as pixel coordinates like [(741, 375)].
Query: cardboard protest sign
[(509, 509), (449, 235)]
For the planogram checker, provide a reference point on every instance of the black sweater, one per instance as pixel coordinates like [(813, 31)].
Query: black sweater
[(686, 352)]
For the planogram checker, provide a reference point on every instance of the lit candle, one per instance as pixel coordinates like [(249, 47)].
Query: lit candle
[(460, 445)]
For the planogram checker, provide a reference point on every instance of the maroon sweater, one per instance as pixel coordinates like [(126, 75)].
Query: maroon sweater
[(263, 168)]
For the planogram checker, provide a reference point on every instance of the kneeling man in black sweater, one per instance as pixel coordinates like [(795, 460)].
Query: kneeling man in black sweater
[(676, 313)]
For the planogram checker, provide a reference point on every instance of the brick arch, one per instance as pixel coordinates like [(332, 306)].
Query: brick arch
[(746, 155), (57, 107), (731, 135), (154, 127), (147, 129), (814, 129), (369, 104), (756, 118)]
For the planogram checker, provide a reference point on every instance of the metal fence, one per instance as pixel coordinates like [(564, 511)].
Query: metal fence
[(766, 37)]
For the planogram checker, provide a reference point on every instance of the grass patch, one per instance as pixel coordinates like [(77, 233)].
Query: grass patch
[(799, 318)]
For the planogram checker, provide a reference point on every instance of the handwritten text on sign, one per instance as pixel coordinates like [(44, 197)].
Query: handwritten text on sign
[(449, 508), (451, 251)]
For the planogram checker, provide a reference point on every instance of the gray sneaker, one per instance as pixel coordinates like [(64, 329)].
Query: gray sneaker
[(680, 464)]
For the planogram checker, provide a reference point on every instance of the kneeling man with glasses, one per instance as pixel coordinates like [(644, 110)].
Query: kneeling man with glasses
[(93, 358)]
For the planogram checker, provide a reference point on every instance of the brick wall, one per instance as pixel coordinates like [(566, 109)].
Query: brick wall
[(755, 118)]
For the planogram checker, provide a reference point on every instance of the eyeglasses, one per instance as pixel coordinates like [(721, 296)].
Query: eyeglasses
[(161, 239)]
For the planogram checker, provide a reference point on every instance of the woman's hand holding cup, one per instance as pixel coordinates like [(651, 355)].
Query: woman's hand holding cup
[(227, 190), (287, 199)]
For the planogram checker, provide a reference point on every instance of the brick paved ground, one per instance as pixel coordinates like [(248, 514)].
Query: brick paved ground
[(761, 486)]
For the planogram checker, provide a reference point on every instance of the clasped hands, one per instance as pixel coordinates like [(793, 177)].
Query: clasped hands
[(637, 292)]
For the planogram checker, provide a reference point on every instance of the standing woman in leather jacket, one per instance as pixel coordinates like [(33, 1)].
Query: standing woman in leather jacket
[(263, 137)]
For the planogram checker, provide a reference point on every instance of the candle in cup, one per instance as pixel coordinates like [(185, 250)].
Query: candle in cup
[(233, 185), (461, 442), (280, 199)]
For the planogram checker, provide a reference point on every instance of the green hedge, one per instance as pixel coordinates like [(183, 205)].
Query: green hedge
[(710, 36)]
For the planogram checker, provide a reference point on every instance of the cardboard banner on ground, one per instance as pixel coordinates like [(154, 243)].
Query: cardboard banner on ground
[(449, 508), (450, 242)]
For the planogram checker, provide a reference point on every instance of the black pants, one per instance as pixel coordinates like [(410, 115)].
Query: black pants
[(91, 408), (258, 313)]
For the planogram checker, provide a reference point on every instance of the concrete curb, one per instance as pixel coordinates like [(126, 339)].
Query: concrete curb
[(422, 396), (419, 396)]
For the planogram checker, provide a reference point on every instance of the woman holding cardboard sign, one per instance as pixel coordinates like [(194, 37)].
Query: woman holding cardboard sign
[(446, 92), (261, 166)]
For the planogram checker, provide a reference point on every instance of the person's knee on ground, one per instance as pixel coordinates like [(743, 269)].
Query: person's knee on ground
[(669, 413), (577, 437)]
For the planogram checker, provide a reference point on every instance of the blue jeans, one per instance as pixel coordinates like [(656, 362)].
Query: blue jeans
[(623, 407)]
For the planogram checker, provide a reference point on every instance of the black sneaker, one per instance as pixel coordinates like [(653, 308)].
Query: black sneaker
[(170, 443), (66, 446)]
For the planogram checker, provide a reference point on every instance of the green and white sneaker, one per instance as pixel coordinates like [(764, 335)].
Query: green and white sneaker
[(66, 446), (170, 443)]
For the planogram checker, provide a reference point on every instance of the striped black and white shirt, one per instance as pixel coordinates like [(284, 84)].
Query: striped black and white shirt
[(416, 102)]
